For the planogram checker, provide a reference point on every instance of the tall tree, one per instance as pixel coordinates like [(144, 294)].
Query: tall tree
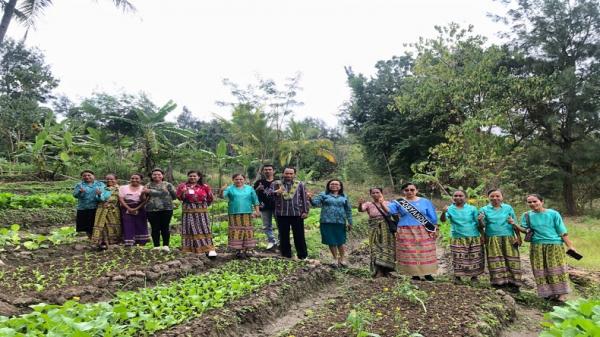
[(560, 43), (28, 12), (26, 82)]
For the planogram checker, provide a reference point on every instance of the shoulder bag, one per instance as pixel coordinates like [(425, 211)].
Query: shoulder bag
[(529, 234), (391, 220)]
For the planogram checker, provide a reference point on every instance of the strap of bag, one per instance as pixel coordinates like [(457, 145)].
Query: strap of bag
[(412, 210), (380, 210)]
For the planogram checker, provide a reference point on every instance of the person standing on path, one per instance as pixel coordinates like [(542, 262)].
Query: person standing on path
[(501, 243), (267, 203), (415, 244), (196, 196), (291, 208), (335, 213), (466, 243), (107, 224), (382, 243), (242, 207), (547, 255), (159, 208), (88, 193), (133, 214)]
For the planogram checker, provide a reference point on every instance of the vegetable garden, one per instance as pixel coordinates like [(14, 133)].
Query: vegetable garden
[(53, 283)]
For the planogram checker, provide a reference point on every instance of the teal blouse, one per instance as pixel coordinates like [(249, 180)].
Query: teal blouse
[(88, 199), (241, 200), (548, 226), (335, 209), (496, 220), (463, 221)]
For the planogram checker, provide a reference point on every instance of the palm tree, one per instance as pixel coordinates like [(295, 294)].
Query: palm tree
[(29, 10), (152, 131)]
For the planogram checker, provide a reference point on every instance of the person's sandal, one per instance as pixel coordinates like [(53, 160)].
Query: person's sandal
[(240, 255)]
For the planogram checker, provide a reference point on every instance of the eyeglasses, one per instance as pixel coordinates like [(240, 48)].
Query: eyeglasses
[(410, 189)]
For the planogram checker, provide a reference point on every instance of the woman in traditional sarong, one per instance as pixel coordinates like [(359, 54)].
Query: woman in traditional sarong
[(415, 246), (466, 243), (133, 214), (196, 196), (382, 243), (501, 243), (547, 254), (243, 206), (107, 225), (335, 213), (88, 193)]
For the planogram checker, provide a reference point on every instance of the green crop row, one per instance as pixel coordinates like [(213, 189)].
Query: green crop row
[(580, 317), (144, 312), (50, 200), (12, 237)]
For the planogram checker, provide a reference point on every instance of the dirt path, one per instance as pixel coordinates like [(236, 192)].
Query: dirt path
[(527, 323), (300, 311)]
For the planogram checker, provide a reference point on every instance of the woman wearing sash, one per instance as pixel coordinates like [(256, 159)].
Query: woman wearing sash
[(416, 234), (196, 236), (382, 243), (466, 243), (547, 254), (501, 243)]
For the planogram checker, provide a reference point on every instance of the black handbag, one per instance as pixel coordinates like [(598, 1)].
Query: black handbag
[(390, 219), (529, 234)]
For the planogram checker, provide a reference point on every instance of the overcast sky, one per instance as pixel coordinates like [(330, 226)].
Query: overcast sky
[(182, 49)]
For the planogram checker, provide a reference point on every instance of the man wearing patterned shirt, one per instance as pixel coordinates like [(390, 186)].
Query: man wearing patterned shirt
[(291, 208)]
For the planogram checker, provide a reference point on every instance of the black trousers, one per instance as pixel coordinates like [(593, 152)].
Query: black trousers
[(296, 223), (84, 220), (160, 221)]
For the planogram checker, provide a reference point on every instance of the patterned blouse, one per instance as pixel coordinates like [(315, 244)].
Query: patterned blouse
[(161, 196), (88, 199), (335, 209), (193, 194), (371, 209)]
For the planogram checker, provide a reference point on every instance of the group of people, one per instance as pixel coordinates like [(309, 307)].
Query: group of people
[(402, 237), (111, 214)]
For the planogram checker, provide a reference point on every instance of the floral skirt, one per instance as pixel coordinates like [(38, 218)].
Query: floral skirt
[(107, 225), (549, 266), (504, 262)]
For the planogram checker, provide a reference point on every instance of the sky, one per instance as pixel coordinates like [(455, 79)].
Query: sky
[(183, 49)]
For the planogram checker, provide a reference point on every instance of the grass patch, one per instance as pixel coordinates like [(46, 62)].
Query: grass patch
[(585, 234)]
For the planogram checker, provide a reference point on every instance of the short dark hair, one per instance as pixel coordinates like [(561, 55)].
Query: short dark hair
[(235, 175), (327, 190), (111, 174), (86, 171), (493, 190), (405, 185), (461, 191), (535, 195), (157, 169), (267, 165), (289, 168)]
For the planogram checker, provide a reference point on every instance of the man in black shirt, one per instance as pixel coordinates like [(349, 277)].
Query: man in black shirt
[(267, 203)]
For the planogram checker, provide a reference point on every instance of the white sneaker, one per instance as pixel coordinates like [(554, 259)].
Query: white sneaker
[(270, 245), (212, 253), (166, 248), (156, 248)]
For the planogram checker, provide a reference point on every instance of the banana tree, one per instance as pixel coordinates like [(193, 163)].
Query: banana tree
[(221, 158)]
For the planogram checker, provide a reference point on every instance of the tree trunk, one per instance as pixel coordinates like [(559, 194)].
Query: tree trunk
[(570, 203), (169, 175), (9, 11)]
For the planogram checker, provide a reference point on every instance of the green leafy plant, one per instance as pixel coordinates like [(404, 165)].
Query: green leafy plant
[(580, 317), (356, 321), (412, 293)]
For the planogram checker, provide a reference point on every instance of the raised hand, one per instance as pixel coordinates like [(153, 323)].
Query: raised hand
[(98, 192)]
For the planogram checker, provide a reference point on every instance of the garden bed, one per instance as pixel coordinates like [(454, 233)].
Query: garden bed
[(93, 276)]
